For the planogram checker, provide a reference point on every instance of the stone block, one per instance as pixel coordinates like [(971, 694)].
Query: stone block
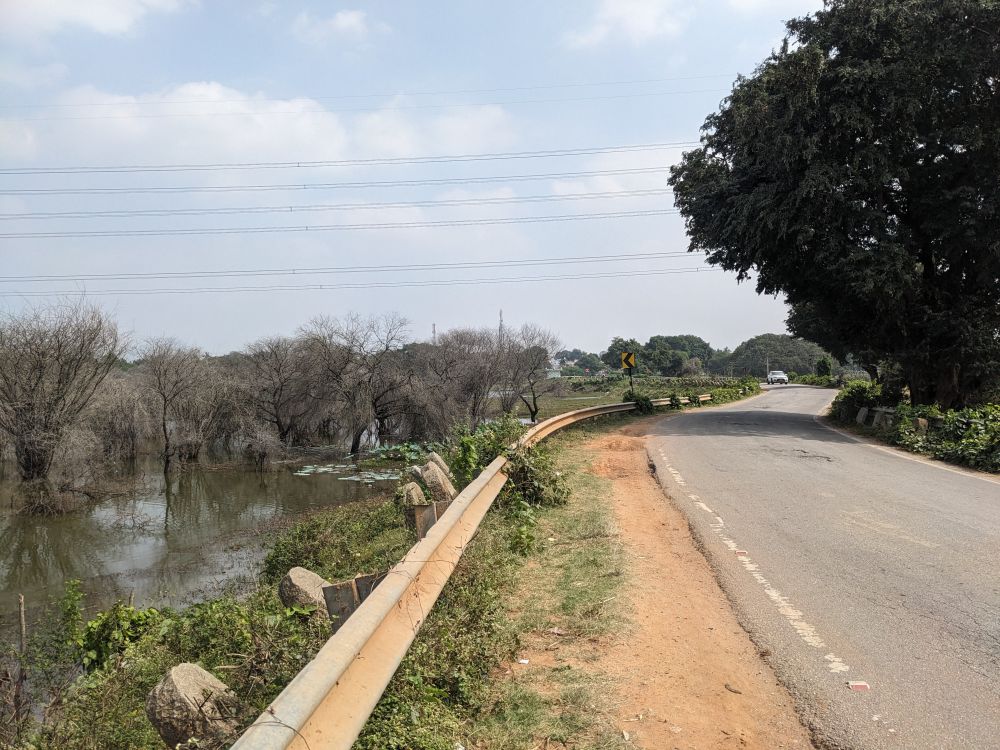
[(413, 495), (437, 482), (302, 588), (435, 458), (190, 703)]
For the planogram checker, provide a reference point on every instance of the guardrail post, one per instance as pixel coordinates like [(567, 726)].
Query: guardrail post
[(341, 600), (365, 584), (421, 518)]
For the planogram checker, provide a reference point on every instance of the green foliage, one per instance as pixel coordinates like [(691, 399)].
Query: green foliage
[(852, 397), (353, 539), (112, 631), (612, 357), (824, 367), (855, 172), (662, 355), (532, 478), (407, 452), (474, 451), (825, 381), (970, 437), (770, 351), (643, 404)]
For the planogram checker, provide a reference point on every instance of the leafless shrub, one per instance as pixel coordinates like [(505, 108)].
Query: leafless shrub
[(261, 445), (52, 360), (120, 417)]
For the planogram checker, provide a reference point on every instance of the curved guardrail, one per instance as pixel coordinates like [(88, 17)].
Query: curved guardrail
[(326, 705)]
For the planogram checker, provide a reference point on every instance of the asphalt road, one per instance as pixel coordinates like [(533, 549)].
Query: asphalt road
[(848, 562)]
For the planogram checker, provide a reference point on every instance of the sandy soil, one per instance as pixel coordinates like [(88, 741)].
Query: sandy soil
[(686, 675)]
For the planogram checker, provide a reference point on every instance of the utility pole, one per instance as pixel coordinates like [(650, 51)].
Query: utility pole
[(500, 331), (434, 334)]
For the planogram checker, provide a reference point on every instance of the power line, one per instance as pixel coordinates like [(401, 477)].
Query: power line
[(500, 200), (364, 285), (447, 92), (390, 108), (339, 227), (497, 156), (382, 268), (337, 185)]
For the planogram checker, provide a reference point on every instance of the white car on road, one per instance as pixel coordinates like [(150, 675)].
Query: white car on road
[(777, 376)]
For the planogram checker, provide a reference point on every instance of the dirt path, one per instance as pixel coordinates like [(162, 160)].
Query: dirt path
[(686, 675)]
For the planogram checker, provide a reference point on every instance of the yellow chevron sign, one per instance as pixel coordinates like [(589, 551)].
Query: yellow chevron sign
[(628, 360)]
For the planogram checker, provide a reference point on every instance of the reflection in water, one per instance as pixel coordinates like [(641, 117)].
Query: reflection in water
[(175, 538)]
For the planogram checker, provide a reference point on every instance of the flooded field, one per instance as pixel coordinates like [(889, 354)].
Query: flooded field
[(174, 541)]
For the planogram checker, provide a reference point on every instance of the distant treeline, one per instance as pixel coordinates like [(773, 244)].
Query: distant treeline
[(686, 355)]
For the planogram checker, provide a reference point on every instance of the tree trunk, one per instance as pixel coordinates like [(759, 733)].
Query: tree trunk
[(34, 455), (356, 440), (939, 385), (167, 451)]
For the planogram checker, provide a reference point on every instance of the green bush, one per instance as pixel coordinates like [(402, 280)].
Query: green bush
[(472, 452), (852, 397), (643, 403), (825, 381), (970, 437)]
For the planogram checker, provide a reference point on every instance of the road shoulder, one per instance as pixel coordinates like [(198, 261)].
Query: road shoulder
[(654, 643)]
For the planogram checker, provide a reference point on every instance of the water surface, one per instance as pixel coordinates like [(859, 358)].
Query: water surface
[(175, 541)]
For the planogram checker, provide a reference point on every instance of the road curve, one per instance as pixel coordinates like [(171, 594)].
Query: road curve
[(848, 562)]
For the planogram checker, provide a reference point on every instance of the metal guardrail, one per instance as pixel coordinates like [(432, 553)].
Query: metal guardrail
[(327, 704)]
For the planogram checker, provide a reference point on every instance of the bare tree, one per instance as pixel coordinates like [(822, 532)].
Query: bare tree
[(531, 357), (360, 365), (52, 360), (172, 373), (278, 381), (468, 362)]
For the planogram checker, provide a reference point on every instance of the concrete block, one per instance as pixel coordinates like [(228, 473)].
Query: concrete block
[(190, 703), (437, 482)]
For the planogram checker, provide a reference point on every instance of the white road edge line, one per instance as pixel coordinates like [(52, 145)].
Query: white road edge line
[(899, 453), (785, 608)]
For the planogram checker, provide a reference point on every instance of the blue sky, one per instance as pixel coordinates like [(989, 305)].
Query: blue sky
[(154, 82)]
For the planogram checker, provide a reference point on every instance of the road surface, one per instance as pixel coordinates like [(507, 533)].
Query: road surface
[(848, 563)]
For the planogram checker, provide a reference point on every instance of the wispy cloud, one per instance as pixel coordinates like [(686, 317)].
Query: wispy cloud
[(353, 25), (634, 22), (31, 20), (31, 76)]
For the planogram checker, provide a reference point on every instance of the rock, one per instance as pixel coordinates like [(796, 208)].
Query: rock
[(920, 425), (415, 472), (189, 702), (436, 459), (302, 588), (413, 495), (437, 482), (862, 415)]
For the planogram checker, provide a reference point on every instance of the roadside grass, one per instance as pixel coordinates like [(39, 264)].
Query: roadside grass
[(565, 601)]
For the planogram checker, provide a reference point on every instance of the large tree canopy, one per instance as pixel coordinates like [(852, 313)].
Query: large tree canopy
[(858, 172)]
